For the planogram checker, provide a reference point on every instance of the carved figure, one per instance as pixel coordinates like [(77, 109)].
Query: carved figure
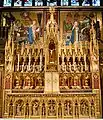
[(60, 110), (92, 109), (51, 27), (35, 108), (51, 108), (84, 108), (43, 109), (76, 82), (69, 108), (18, 110), (76, 109), (27, 109), (11, 109), (52, 52)]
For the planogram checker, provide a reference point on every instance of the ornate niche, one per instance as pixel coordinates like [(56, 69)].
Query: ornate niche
[(68, 108), (92, 109), (76, 109), (11, 108), (27, 109), (19, 108), (60, 109), (52, 108), (84, 108), (43, 109), (35, 108), (51, 43)]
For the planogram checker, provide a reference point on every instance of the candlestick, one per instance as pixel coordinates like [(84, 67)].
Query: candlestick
[(22, 67), (79, 55), (81, 47), (27, 49), (4, 21), (85, 62), (70, 67), (32, 50), (63, 61), (76, 47), (18, 62), (74, 66), (70, 49), (73, 57), (22, 49), (34, 67), (29, 61), (40, 61)]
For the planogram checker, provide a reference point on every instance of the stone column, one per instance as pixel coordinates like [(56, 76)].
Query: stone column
[(1, 90)]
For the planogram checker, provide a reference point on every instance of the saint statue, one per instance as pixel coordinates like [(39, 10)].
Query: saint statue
[(52, 52), (59, 110), (76, 109), (69, 108), (27, 109), (43, 109), (11, 109), (18, 110), (92, 109), (35, 109)]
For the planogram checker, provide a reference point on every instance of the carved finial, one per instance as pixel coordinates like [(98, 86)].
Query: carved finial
[(51, 24), (51, 10)]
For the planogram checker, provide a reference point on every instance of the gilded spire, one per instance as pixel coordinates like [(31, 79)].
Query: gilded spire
[(51, 27)]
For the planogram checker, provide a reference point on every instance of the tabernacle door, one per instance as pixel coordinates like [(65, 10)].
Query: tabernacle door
[(51, 82), (55, 82)]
